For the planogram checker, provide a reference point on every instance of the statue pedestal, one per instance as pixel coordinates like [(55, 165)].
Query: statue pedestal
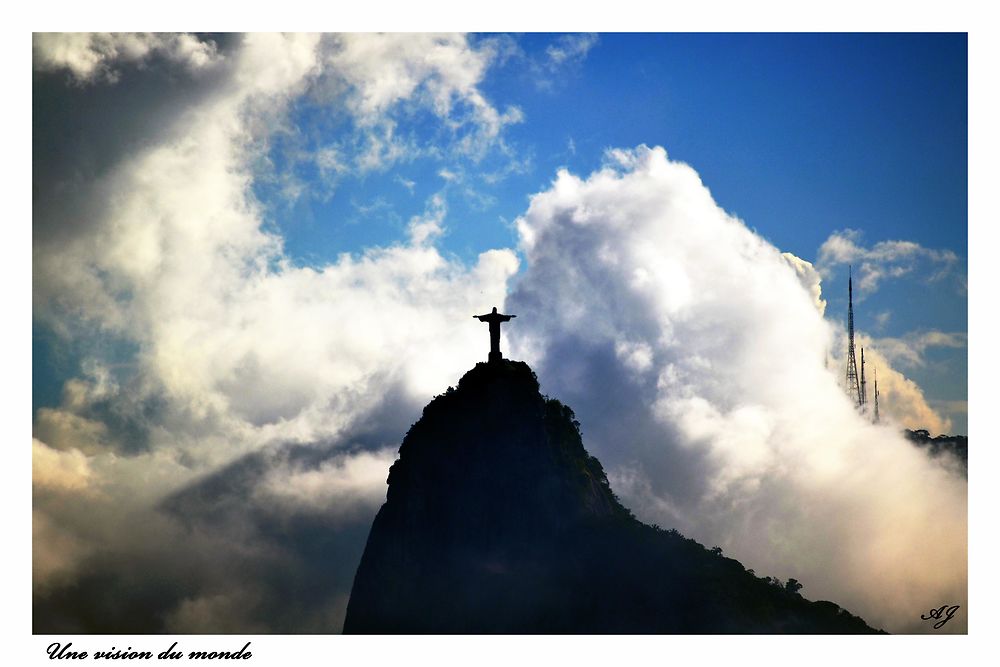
[(495, 357)]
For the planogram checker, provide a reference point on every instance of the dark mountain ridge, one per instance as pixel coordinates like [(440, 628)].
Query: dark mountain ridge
[(498, 521), (942, 445)]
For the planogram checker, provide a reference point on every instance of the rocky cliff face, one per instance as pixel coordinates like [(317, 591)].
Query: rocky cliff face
[(498, 521)]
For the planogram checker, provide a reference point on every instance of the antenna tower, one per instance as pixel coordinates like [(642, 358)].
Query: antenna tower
[(853, 386), (876, 395), (864, 388)]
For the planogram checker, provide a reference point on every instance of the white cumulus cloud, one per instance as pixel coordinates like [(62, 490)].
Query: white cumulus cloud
[(694, 355)]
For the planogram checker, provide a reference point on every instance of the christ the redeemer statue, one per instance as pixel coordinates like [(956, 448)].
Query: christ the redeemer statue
[(494, 320)]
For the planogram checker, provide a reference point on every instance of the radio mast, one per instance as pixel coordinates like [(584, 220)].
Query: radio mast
[(853, 385), (864, 388), (876, 395)]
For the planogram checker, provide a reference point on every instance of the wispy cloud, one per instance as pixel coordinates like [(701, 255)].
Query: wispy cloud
[(406, 183), (424, 228), (909, 350), (882, 319), (559, 62), (570, 49), (885, 260), (381, 77)]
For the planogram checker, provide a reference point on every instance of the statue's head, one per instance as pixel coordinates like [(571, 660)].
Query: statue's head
[(494, 309)]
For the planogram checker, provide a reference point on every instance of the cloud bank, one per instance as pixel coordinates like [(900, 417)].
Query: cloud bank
[(696, 362)]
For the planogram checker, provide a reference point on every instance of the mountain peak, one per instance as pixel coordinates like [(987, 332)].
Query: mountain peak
[(497, 520)]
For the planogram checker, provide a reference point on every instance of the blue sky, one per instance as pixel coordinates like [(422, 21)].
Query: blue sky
[(796, 134), (799, 135)]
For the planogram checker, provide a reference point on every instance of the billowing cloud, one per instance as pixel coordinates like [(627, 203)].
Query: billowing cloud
[(54, 469), (247, 380), (884, 260), (695, 360), (180, 265), (809, 277)]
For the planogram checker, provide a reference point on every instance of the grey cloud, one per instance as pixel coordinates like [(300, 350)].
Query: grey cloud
[(98, 56)]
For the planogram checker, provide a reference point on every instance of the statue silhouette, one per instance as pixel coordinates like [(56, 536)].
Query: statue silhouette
[(494, 319)]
